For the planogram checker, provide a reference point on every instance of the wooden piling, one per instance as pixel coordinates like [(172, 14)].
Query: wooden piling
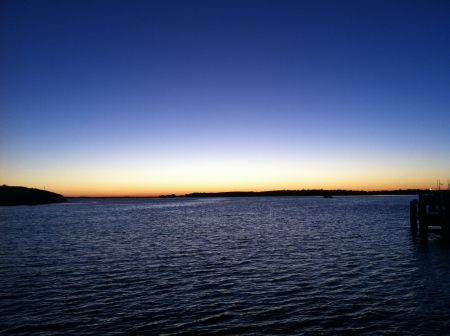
[(423, 225), (446, 216), (431, 210)]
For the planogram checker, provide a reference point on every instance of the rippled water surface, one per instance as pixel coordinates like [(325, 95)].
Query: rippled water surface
[(346, 265)]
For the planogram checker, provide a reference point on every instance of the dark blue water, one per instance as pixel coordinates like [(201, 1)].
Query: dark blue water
[(346, 265)]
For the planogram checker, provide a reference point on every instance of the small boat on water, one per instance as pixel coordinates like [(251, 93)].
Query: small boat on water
[(328, 195)]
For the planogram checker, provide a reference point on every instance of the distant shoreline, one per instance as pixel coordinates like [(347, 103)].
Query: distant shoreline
[(278, 193)]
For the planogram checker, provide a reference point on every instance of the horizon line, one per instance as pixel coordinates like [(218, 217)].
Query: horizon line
[(199, 193)]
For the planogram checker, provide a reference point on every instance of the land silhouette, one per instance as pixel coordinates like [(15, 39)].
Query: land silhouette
[(303, 192), (28, 196), (13, 195)]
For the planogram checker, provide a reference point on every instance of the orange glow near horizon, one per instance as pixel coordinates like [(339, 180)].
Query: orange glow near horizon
[(116, 176), (149, 192), (167, 180), (189, 181)]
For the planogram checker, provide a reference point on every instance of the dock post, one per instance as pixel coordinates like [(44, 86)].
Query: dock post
[(422, 219), (413, 216), (446, 219), (433, 207)]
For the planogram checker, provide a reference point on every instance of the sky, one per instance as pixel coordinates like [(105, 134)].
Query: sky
[(143, 98)]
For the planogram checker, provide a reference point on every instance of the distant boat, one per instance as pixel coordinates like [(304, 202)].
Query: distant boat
[(328, 195)]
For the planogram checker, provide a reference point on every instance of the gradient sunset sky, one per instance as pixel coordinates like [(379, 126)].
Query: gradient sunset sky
[(158, 97)]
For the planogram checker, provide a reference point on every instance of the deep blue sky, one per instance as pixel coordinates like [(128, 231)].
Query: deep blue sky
[(148, 97)]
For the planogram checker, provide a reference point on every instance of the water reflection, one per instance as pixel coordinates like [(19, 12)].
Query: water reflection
[(205, 266)]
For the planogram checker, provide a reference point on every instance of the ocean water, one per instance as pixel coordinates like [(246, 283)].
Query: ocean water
[(251, 266)]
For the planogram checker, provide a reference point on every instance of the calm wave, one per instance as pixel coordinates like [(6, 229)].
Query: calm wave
[(346, 265)]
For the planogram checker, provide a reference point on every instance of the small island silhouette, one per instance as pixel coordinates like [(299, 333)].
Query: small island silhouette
[(28, 196)]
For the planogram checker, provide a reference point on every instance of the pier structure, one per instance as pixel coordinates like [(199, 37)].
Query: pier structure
[(431, 213)]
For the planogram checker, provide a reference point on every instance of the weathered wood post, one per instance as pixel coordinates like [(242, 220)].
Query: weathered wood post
[(422, 219), (432, 207), (446, 219), (413, 216)]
